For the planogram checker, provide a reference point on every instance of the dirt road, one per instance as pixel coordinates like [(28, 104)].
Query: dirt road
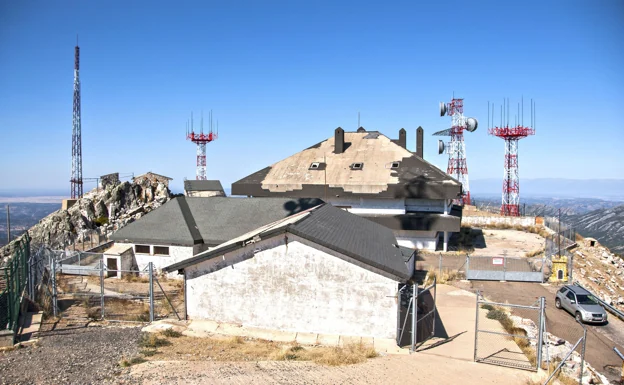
[(600, 339)]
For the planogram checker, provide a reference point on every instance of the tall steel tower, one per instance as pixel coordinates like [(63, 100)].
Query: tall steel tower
[(201, 140), (456, 148), (510, 205), (76, 176)]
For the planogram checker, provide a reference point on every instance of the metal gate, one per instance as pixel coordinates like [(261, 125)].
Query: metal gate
[(417, 315), (509, 335), (505, 269)]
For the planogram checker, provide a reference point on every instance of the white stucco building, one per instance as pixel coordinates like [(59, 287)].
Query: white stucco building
[(186, 226), (320, 271)]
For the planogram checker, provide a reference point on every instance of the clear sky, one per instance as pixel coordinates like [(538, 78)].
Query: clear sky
[(280, 76)]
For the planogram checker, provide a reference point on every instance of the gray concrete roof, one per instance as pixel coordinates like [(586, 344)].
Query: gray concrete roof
[(188, 221), (202, 185), (412, 176), (370, 244)]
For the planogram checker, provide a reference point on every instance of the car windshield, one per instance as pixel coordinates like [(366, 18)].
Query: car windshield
[(584, 299)]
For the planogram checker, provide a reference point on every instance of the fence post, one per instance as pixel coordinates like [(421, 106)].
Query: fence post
[(414, 315), (476, 328), (102, 286), (583, 354), (540, 336), (54, 299), (435, 304), (151, 291)]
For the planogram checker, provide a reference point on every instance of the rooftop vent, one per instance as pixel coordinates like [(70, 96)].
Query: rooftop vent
[(394, 165), (356, 166)]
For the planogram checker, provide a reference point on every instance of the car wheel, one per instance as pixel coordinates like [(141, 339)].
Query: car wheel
[(578, 317), (558, 303)]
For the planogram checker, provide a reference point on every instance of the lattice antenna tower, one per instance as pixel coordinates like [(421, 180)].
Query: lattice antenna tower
[(76, 175), (511, 134), (201, 139), (456, 148)]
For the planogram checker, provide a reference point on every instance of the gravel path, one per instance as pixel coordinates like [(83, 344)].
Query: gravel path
[(71, 355)]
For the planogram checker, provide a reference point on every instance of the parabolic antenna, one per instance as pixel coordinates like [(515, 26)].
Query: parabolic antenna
[(471, 124), (442, 108), (441, 147)]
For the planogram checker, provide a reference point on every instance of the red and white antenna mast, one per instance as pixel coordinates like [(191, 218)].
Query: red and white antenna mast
[(510, 205), (201, 140), (456, 148)]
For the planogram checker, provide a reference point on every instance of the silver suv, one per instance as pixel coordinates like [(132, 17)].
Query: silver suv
[(581, 303)]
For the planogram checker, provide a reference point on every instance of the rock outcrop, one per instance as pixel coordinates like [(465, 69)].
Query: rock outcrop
[(106, 211)]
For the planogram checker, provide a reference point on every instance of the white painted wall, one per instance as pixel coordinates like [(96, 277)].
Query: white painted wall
[(422, 240), (365, 206), (293, 287), (176, 254)]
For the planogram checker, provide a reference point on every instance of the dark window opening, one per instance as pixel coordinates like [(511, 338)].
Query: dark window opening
[(560, 274), (316, 166), (395, 164), (357, 166), (142, 249), (161, 250)]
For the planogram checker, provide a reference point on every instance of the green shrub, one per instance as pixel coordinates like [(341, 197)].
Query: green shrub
[(101, 221)]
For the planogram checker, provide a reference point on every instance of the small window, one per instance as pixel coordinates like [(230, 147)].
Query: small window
[(316, 166), (562, 290), (142, 249), (357, 166), (571, 296), (395, 164), (161, 250)]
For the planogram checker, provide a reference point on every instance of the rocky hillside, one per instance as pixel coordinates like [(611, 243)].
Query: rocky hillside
[(606, 225), (104, 210), (601, 271)]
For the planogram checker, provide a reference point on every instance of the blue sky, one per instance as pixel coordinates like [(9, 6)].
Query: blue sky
[(281, 75)]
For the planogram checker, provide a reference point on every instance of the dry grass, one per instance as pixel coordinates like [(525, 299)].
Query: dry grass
[(560, 376), (445, 277), (247, 349), (127, 309), (534, 253), (124, 363)]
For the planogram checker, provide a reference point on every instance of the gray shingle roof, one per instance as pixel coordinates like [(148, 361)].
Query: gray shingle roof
[(372, 245), (188, 221), (202, 185)]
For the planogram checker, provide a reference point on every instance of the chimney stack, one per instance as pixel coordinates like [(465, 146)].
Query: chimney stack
[(339, 143), (402, 138), (419, 142)]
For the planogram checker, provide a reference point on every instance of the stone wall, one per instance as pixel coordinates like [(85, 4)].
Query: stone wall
[(293, 286)]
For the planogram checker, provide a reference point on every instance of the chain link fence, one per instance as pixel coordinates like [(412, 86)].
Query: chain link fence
[(13, 281), (509, 335), (85, 287), (417, 314)]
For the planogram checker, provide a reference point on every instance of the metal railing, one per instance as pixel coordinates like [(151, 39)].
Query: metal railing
[(610, 308), (13, 281)]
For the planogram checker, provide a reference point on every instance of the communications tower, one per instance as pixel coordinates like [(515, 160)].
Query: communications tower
[(456, 148), (510, 205), (76, 175), (201, 140)]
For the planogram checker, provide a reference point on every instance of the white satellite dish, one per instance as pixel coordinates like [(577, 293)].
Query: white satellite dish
[(441, 147), (442, 108), (471, 124)]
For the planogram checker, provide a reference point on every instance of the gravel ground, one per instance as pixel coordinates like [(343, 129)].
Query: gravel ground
[(71, 355)]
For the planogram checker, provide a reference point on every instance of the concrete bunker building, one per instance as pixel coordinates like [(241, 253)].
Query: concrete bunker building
[(368, 174)]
